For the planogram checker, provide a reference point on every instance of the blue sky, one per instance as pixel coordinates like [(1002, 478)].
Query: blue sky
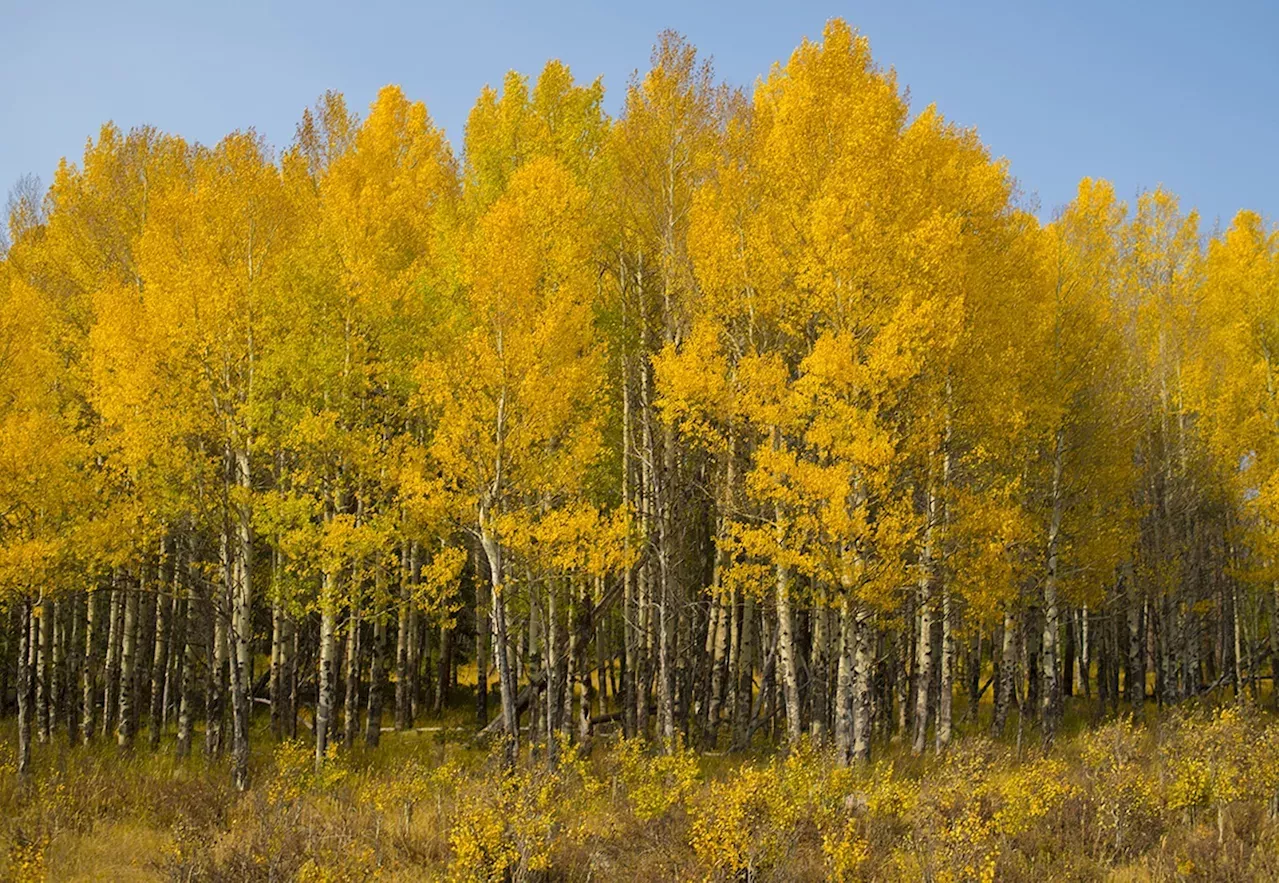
[(1175, 93)]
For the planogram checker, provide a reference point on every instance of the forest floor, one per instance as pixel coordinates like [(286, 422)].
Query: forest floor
[(1182, 794)]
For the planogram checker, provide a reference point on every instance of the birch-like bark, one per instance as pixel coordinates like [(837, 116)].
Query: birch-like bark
[(1007, 674), (160, 652), (946, 668), (377, 684), (844, 681), (787, 655), (1135, 675), (185, 674), (57, 647), (128, 662), (418, 645), (863, 665), (1083, 655), (215, 715), (818, 668), (719, 653), (405, 601), (177, 643), (924, 643), (110, 685), (484, 633), (506, 679), (70, 695), (241, 633), (1237, 666), (745, 675), (89, 669), (276, 685), (786, 639), (351, 705), (1051, 693), (24, 689), (43, 669), (326, 686)]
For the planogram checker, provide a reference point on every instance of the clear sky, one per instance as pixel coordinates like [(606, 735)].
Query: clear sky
[(1142, 93)]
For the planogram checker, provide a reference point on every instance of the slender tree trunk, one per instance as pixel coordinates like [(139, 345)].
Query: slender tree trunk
[(1007, 674), (818, 668), (644, 646), (506, 678), (942, 733), (666, 701), (863, 666), (177, 643), (196, 636), (1237, 656), (1135, 676), (351, 705), (160, 653), (403, 702), (215, 710), (1272, 615), (1051, 696), (572, 663), (70, 681), (186, 673), (89, 670), (1069, 625), (420, 655), (630, 602), (43, 650), (745, 675), (112, 679), (604, 651), (24, 689), (787, 651), (719, 652), (377, 684), (53, 675), (973, 674), (845, 681), (786, 638), (277, 662), (417, 643), (484, 632), (241, 626), (924, 643), (630, 613), (442, 676), (903, 663), (326, 687), (1083, 655), (128, 674)]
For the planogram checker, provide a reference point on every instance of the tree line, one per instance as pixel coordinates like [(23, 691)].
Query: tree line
[(738, 416)]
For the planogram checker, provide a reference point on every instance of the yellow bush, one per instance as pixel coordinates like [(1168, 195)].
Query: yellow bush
[(654, 783), (295, 774), (505, 825), (968, 812), (752, 821), (398, 794), (1218, 759), (734, 830), (27, 859), (844, 851), (1128, 810)]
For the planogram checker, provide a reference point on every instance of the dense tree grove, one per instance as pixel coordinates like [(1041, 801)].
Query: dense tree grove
[(734, 418)]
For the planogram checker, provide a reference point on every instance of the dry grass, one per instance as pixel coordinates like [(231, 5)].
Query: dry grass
[(1179, 797)]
